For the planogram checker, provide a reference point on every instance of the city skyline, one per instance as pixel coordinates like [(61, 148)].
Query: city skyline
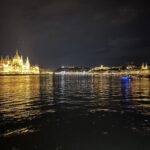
[(50, 66), (18, 65), (55, 33)]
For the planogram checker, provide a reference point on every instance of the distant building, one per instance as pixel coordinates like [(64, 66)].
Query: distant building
[(144, 66), (68, 70), (131, 67), (45, 71), (100, 68), (72, 69), (17, 65)]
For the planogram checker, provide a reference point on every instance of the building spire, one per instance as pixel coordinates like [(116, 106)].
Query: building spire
[(17, 54), (144, 66), (27, 61)]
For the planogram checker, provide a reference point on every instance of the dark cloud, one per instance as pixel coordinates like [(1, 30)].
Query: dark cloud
[(76, 32)]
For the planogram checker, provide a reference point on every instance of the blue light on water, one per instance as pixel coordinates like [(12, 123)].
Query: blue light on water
[(125, 78)]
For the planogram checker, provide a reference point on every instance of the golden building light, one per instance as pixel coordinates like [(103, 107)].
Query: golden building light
[(17, 65)]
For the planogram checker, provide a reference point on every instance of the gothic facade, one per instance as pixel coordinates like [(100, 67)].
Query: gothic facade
[(17, 65)]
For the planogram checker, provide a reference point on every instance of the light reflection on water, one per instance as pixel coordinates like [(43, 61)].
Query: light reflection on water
[(20, 96), (26, 100), (96, 93)]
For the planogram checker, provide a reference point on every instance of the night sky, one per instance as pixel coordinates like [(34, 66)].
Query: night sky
[(76, 32)]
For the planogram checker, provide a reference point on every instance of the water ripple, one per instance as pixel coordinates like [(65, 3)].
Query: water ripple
[(26, 98)]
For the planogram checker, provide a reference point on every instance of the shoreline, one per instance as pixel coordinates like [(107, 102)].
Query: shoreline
[(25, 74), (83, 74)]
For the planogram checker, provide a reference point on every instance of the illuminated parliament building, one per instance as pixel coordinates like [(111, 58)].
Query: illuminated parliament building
[(17, 65)]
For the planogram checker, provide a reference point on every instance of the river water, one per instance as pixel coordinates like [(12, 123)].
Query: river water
[(74, 113)]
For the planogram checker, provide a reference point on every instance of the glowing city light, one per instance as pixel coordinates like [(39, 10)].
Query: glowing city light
[(17, 65)]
